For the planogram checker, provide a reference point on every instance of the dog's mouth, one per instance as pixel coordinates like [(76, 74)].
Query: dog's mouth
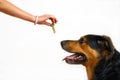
[(76, 58)]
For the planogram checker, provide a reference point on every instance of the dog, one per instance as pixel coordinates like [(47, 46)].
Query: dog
[(97, 53)]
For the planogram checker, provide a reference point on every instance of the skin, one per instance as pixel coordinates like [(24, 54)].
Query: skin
[(10, 9)]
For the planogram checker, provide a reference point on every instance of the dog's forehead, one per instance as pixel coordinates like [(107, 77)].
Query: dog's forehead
[(94, 38)]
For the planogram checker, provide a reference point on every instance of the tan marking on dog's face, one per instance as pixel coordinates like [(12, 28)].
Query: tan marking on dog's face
[(75, 46), (92, 55)]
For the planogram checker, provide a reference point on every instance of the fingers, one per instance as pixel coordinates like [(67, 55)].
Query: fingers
[(53, 19), (44, 19)]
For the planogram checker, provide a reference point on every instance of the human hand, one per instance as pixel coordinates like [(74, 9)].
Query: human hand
[(43, 19)]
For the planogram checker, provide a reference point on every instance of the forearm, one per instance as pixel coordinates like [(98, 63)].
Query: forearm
[(12, 10)]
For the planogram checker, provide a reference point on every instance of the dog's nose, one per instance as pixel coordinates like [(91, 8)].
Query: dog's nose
[(63, 43)]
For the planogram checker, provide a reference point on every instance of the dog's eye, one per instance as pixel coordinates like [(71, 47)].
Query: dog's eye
[(81, 41)]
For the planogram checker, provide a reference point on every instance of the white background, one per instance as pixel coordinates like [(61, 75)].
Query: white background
[(29, 52)]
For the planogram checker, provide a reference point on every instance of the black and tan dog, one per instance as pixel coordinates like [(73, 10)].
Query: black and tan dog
[(97, 54)]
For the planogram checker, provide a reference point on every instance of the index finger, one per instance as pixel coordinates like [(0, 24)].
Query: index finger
[(53, 19)]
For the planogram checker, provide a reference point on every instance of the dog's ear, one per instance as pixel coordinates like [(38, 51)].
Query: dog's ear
[(108, 43)]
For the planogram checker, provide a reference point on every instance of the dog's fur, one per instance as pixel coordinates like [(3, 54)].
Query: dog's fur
[(97, 54)]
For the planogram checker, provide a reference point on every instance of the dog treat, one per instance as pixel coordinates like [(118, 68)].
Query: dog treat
[(53, 28)]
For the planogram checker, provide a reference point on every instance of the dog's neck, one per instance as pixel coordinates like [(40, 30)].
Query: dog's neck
[(90, 73), (105, 67), (90, 68), (98, 72)]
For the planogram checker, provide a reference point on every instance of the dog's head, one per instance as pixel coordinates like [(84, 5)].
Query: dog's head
[(88, 49)]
